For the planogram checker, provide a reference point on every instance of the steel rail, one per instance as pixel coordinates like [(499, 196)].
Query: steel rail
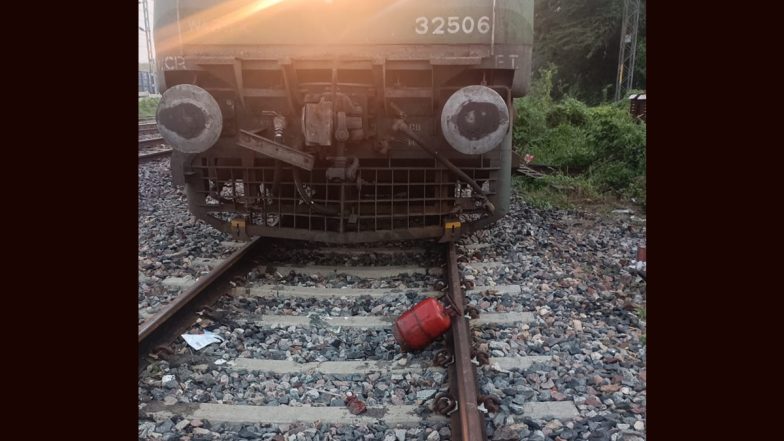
[(467, 423), (148, 131), (178, 315), (147, 128), (151, 155), (146, 142)]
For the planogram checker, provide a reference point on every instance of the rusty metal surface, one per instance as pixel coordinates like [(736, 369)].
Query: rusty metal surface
[(642, 253), (178, 315), (275, 150), (317, 123), (467, 422), (637, 106)]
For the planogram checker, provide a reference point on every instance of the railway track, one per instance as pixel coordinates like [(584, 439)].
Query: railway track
[(582, 340), (148, 127), (153, 154), (151, 144), (150, 141), (263, 307)]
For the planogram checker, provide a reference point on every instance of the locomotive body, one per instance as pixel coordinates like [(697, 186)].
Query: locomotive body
[(342, 121)]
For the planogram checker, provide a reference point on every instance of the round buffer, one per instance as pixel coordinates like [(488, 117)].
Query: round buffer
[(475, 120), (189, 118)]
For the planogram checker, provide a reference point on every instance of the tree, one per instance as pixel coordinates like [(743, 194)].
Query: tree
[(581, 38)]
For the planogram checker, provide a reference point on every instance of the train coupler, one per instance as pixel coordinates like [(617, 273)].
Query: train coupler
[(452, 231), (237, 228)]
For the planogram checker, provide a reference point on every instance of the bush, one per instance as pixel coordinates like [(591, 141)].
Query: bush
[(565, 146), (148, 106), (530, 125), (615, 136), (604, 141), (612, 176), (531, 112), (556, 190), (569, 111)]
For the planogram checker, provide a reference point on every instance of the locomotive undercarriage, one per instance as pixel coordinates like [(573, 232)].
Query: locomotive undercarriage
[(353, 175), (391, 199)]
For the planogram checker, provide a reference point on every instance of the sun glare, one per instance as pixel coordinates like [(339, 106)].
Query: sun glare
[(219, 18)]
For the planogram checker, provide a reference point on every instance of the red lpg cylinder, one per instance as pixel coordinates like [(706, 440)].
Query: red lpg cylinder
[(420, 325)]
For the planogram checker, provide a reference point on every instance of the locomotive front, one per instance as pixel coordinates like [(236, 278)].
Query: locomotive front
[(342, 121)]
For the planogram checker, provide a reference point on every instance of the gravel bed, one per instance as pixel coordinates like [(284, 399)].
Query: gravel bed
[(207, 382), (576, 272), (176, 428), (169, 237), (205, 376), (391, 305), (261, 277), (313, 253), (244, 338)]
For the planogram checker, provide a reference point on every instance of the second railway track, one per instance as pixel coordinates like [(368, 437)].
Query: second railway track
[(151, 144), (148, 128)]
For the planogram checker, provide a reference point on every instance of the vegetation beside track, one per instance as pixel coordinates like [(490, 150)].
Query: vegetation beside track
[(600, 150), (147, 107)]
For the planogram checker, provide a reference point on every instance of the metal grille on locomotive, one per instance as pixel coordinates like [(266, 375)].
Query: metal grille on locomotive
[(360, 123)]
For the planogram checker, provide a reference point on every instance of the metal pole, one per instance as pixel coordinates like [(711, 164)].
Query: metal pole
[(628, 47), (635, 17), (148, 39)]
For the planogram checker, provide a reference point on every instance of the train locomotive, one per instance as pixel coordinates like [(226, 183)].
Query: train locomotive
[(342, 121)]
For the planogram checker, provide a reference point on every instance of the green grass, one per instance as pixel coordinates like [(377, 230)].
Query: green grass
[(148, 106), (641, 313), (557, 191), (540, 196)]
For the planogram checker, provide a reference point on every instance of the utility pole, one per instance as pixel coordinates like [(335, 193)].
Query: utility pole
[(628, 51), (148, 38)]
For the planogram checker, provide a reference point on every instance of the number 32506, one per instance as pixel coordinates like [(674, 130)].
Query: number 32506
[(452, 25)]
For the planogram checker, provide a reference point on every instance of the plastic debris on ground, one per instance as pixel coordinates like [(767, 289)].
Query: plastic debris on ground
[(199, 341)]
